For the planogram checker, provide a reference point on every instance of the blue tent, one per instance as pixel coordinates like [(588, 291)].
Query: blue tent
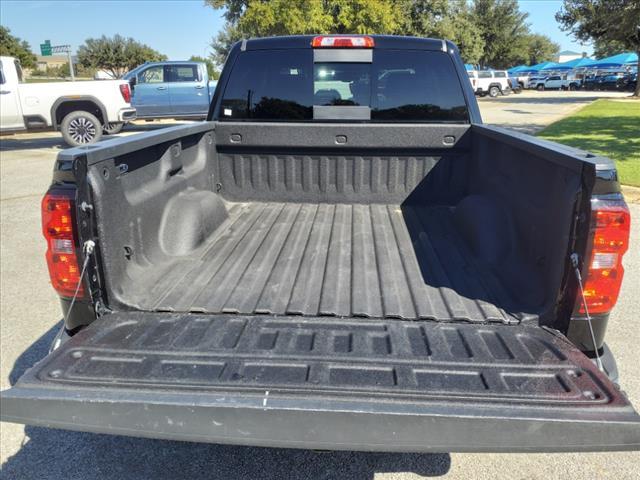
[(550, 66), (619, 60), (540, 66), (469, 67), (576, 63), (519, 68)]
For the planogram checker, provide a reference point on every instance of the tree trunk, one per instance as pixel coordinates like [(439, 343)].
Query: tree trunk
[(637, 92)]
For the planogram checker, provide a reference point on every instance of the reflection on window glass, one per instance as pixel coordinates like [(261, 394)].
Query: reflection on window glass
[(270, 85), (342, 84), (18, 70), (183, 73), (399, 85), (484, 75), (416, 86), (152, 75)]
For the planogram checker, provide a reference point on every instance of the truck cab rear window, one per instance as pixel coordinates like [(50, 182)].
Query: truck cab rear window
[(398, 86)]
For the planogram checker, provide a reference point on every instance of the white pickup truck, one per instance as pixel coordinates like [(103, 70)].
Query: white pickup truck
[(489, 82), (557, 82), (80, 110)]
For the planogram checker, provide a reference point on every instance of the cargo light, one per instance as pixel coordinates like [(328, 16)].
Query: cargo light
[(57, 226), (342, 41), (125, 91), (611, 221)]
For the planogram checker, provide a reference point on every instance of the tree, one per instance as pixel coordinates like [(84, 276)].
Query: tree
[(211, 68), (490, 32), (504, 31), (540, 49), (116, 55), (452, 20), (245, 19), (604, 21), (11, 46), (606, 48)]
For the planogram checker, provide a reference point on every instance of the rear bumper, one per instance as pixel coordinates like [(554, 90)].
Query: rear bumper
[(274, 420), (326, 383), (127, 114)]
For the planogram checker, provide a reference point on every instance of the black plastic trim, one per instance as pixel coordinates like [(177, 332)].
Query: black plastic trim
[(243, 385), (78, 98)]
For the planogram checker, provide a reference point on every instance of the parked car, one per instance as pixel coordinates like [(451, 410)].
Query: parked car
[(536, 80), (559, 82), (180, 90), (516, 86), (489, 82), (341, 257), (629, 82), (612, 81), (523, 81), (80, 110)]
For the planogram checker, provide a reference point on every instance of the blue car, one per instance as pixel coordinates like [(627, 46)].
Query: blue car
[(171, 90)]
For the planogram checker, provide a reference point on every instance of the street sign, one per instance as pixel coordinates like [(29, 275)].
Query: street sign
[(45, 48)]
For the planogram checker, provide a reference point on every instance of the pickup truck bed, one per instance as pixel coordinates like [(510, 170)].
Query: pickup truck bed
[(344, 260), (410, 234), (342, 284)]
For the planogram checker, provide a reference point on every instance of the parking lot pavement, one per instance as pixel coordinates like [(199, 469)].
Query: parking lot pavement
[(29, 318), (531, 111)]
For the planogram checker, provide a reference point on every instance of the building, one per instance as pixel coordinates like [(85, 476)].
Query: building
[(568, 55), (53, 61)]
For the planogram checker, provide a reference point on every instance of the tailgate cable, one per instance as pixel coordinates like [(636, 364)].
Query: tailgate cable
[(87, 248), (575, 262)]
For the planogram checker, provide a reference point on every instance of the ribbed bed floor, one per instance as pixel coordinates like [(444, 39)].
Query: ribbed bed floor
[(340, 260)]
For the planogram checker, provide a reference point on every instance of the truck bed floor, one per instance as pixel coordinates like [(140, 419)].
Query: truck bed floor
[(344, 260)]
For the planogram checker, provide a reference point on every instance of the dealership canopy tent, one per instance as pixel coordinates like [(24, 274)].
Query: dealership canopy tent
[(518, 69), (536, 68), (619, 60), (575, 63)]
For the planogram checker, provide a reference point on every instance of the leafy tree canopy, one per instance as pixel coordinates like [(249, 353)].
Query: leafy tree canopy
[(211, 68), (606, 22), (11, 46), (540, 49), (489, 32), (116, 55)]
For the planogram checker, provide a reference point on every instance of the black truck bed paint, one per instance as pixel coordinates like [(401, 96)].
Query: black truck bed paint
[(343, 260), (355, 384)]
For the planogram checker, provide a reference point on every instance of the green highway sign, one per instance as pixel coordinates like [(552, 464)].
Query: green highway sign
[(45, 48)]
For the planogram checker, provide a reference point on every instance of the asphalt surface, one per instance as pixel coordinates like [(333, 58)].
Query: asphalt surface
[(29, 314)]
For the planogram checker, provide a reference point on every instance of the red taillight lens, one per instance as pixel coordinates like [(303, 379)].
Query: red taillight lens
[(611, 222), (126, 92), (57, 227), (342, 41)]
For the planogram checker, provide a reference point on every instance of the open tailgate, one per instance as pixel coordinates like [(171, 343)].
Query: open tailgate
[(324, 383)]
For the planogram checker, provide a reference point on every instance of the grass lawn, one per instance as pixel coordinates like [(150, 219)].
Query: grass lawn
[(605, 127)]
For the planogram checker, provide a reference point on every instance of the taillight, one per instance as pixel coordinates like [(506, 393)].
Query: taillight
[(58, 229), (126, 92), (342, 41), (610, 223)]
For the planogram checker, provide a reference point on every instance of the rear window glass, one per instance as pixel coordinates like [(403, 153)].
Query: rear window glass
[(500, 75), (484, 75), (398, 86), (270, 85)]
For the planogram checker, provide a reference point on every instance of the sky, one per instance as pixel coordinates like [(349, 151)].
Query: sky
[(176, 28)]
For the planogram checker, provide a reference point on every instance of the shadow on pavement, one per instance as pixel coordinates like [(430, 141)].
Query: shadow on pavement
[(54, 454)]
